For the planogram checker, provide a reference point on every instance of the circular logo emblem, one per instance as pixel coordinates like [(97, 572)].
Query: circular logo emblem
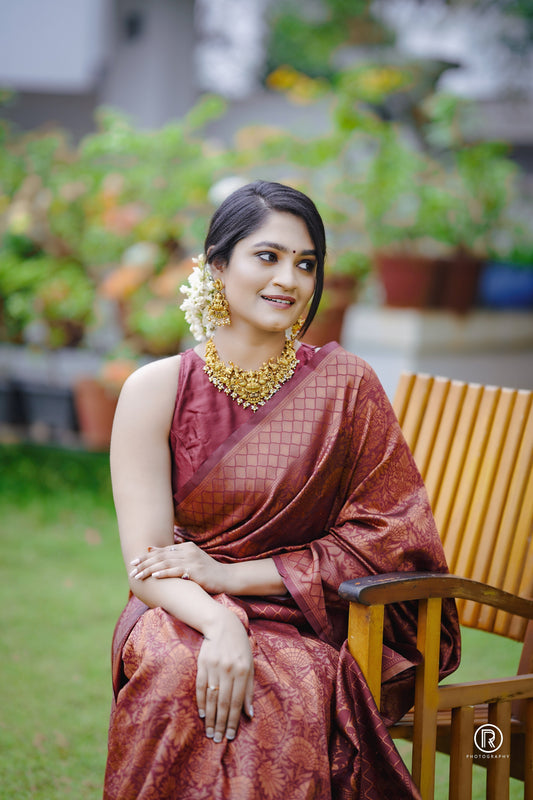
[(488, 738)]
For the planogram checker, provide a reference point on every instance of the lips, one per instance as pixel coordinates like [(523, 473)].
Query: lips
[(280, 300)]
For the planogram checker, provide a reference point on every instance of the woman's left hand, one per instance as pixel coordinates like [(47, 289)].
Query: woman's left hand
[(186, 561)]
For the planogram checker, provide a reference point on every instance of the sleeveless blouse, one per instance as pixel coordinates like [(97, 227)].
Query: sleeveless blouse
[(204, 417)]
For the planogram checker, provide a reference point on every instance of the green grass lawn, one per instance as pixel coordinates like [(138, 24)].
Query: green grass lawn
[(62, 586)]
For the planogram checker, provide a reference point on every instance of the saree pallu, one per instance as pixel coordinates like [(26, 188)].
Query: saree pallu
[(321, 480)]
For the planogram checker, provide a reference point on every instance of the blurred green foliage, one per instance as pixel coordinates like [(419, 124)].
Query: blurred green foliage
[(117, 218), (68, 217)]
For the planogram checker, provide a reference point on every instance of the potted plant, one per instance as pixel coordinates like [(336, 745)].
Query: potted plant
[(345, 273), (507, 276), (95, 399), (420, 196)]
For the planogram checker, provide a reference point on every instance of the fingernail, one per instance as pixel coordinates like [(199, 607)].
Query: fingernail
[(139, 575), (251, 711), (210, 733), (230, 735), (217, 737), (135, 562), (201, 713), (133, 573), (156, 574)]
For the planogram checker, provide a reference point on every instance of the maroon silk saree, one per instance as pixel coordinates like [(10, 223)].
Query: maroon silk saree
[(321, 480)]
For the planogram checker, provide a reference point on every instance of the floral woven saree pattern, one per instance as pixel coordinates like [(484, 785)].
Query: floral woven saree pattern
[(321, 480)]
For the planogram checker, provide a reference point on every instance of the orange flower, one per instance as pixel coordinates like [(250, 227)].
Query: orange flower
[(123, 281), (167, 284)]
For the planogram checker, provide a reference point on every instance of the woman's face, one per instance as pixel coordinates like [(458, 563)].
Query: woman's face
[(270, 277)]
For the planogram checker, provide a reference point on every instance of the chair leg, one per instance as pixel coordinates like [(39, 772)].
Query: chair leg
[(365, 642), (499, 767), (462, 749), (528, 752), (426, 697)]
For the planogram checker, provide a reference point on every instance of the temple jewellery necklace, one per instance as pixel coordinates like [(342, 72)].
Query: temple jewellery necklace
[(250, 387)]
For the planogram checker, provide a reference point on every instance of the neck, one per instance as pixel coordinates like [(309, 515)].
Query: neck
[(251, 352)]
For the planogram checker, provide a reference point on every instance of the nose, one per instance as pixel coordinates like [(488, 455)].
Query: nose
[(285, 275)]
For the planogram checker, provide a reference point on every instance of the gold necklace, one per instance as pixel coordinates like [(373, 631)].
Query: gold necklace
[(250, 387)]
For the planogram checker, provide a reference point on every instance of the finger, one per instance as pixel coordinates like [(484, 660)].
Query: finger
[(171, 564), (173, 572), (144, 567), (235, 707), (201, 689), (249, 695), (211, 704), (224, 703)]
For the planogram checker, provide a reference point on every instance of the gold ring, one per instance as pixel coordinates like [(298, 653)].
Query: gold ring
[(213, 688)]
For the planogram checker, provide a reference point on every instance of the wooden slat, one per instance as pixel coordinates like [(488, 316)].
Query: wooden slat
[(520, 565), (462, 748), (477, 548), (498, 769), (474, 693), (516, 629), (403, 394), (450, 515), (509, 502), (434, 470), (470, 498), (430, 423), (414, 413)]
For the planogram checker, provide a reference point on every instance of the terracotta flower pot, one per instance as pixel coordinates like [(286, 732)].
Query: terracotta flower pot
[(409, 280), (415, 281), (459, 282), (339, 294), (95, 408)]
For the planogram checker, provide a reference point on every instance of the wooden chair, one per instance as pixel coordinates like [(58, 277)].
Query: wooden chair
[(473, 445)]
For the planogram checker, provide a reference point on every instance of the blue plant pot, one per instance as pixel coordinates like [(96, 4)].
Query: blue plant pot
[(506, 285)]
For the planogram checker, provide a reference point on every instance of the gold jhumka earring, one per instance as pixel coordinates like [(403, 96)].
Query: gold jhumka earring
[(296, 328), (218, 309)]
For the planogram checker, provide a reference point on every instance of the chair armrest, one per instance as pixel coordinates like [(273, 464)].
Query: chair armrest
[(397, 587)]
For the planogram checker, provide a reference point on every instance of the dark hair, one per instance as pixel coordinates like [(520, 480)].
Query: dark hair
[(245, 210)]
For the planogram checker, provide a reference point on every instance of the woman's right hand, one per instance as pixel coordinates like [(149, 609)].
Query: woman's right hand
[(225, 677)]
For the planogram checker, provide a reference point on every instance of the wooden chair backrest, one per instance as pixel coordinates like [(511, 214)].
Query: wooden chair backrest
[(473, 445)]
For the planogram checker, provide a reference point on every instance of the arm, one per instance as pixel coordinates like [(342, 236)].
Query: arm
[(141, 478), (259, 577)]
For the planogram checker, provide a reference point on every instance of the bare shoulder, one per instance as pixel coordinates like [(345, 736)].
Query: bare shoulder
[(150, 392)]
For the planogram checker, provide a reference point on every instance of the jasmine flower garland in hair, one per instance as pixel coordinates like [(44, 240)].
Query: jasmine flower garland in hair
[(199, 293)]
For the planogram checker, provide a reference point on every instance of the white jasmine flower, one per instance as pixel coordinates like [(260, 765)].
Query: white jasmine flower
[(199, 292)]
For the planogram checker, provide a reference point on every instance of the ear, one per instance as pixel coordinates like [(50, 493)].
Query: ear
[(217, 265)]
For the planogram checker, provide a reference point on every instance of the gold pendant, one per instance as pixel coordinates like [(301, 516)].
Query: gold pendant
[(250, 388)]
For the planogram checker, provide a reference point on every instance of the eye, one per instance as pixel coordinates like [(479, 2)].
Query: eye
[(308, 265), (268, 257)]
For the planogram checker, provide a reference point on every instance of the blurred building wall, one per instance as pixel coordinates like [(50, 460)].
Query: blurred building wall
[(64, 58)]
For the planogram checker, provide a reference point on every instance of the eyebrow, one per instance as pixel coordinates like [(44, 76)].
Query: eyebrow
[(283, 249)]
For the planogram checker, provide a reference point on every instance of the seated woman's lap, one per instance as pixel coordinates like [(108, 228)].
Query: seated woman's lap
[(284, 749)]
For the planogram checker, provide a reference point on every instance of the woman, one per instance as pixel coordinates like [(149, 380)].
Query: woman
[(252, 475)]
